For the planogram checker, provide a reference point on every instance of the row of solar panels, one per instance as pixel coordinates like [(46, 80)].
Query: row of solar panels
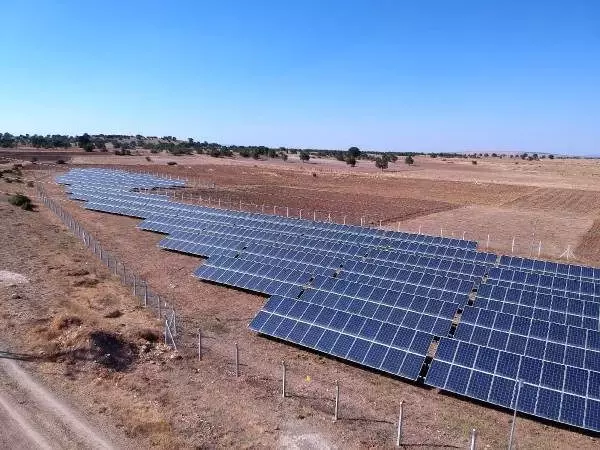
[(545, 282), (116, 178), (551, 268), (210, 244), (370, 236), (439, 287), (549, 307), (166, 224)]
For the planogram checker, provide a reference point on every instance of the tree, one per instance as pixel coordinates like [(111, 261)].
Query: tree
[(381, 162), (354, 151), (304, 156), (351, 161), (551, 156), (84, 140), (409, 160)]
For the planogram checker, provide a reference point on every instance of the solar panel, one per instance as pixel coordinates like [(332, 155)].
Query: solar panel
[(380, 345), (553, 391)]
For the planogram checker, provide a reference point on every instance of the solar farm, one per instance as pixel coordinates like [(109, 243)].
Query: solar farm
[(507, 331)]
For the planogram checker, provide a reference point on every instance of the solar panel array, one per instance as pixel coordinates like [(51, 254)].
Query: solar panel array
[(382, 299)]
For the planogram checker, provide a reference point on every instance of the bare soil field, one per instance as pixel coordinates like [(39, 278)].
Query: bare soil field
[(168, 400)]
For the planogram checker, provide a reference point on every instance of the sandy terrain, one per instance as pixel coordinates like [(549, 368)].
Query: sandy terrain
[(167, 401)]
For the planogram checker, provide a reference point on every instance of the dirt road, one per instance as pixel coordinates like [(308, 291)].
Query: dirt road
[(32, 417)]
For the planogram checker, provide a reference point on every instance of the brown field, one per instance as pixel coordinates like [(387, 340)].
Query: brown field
[(168, 400)]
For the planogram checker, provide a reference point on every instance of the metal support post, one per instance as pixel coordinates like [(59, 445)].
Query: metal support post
[(399, 430), (337, 400), (283, 379)]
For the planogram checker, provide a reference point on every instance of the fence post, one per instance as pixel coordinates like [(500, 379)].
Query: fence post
[(337, 400), (473, 439), (399, 431), (145, 294), (159, 310), (237, 360), (287, 211), (283, 379), (487, 245), (174, 322), (134, 286)]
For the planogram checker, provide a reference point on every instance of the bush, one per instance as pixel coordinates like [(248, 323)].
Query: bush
[(34, 159), (409, 160), (61, 161), (148, 159), (171, 163), (381, 162), (474, 162), (22, 201)]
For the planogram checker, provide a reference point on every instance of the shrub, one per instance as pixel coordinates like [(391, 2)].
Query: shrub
[(22, 201), (474, 162), (61, 161), (409, 160), (34, 159), (171, 163), (381, 162), (148, 159)]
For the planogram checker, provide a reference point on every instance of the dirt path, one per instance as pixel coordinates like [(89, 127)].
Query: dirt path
[(32, 417)]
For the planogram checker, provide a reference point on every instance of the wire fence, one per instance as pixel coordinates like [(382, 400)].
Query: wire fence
[(164, 310), (503, 243)]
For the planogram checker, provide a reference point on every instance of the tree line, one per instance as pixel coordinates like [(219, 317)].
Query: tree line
[(124, 144)]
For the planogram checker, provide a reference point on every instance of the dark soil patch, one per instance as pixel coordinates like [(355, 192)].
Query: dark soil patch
[(111, 350)]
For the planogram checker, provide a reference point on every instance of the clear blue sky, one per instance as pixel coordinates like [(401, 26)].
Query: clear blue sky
[(446, 75)]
